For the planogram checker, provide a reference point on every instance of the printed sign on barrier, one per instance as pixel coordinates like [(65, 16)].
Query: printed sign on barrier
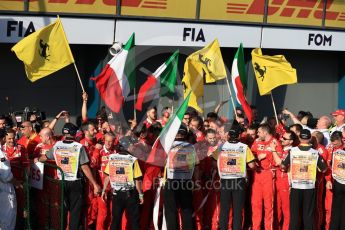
[(36, 175)]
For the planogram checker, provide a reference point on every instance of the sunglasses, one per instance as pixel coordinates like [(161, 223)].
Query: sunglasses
[(286, 139)]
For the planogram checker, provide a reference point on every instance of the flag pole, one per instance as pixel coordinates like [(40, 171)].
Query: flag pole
[(75, 66), (203, 106), (274, 108), (135, 112), (81, 83), (232, 100)]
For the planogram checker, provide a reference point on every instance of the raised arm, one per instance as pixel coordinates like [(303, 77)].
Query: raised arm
[(57, 117), (292, 116), (84, 107)]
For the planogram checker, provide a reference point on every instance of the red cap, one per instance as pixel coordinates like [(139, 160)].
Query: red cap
[(338, 112)]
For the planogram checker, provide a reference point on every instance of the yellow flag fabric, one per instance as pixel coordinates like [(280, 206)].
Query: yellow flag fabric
[(272, 71), (44, 51), (193, 81), (211, 61), (208, 63)]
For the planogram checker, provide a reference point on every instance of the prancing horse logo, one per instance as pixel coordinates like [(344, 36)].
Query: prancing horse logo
[(44, 48), (261, 71), (205, 61)]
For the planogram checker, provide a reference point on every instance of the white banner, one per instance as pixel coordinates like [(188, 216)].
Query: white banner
[(199, 34), (303, 39), (78, 30), (36, 175), (187, 34)]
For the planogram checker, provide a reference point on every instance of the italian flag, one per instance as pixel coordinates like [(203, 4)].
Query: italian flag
[(161, 82), (163, 144), (117, 78), (238, 78)]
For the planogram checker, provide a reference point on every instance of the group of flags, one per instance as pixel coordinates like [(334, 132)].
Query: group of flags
[(47, 50)]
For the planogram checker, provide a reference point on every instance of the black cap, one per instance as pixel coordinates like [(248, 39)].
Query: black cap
[(233, 133), (311, 122), (126, 141), (305, 134), (69, 128), (183, 130)]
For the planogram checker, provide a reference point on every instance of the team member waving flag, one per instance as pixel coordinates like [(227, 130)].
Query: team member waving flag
[(208, 63), (272, 71), (44, 51), (116, 80), (161, 82), (239, 80), (162, 145)]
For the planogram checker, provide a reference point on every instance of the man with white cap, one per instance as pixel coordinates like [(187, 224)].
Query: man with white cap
[(339, 118)]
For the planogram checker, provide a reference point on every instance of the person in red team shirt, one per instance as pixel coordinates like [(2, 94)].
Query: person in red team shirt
[(336, 182), (196, 126), (18, 158), (89, 142), (101, 154), (263, 182), (282, 182), (30, 138), (151, 116), (47, 142), (204, 148), (337, 143), (13, 152), (317, 140), (248, 137), (166, 112), (151, 173)]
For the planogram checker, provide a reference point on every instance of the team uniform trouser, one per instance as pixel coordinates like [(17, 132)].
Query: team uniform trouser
[(91, 204), (338, 207), (247, 218), (233, 192), (320, 188), (74, 201), (103, 214), (283, 202), (302, 200), (262, 191), (198, 196), (146, 209), (212, 207), (328, 207), (125, 200), (177, 194)]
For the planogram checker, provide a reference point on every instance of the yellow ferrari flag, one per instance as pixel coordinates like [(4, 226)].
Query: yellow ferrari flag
[(44, 51), (211, 60), (272, 71), (193, 81)]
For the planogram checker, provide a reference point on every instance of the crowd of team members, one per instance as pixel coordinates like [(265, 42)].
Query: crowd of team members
[(217, 175)]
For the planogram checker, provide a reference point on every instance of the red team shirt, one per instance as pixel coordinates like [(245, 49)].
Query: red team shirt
[(263, 147)]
